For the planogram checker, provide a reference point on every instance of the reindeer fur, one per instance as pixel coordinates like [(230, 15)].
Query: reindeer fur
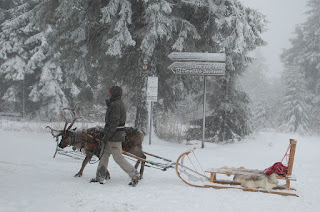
[(93, 145), (252, 178)]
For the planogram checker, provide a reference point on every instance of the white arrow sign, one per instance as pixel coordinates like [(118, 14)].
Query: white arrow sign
[(197, 56), (198, 68)]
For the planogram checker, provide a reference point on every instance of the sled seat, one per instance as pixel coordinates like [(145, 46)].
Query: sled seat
[(288, 178)]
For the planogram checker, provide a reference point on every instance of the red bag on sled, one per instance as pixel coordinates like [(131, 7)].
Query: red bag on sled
[(277, 168)]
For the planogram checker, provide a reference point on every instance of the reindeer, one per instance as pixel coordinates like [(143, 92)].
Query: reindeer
[(90, 142)]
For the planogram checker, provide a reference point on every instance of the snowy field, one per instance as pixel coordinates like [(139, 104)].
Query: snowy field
[(31, 180)]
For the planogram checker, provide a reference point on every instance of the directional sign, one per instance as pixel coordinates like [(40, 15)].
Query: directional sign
[(198, 68), (202, 64), (152, 89), (197, 56)]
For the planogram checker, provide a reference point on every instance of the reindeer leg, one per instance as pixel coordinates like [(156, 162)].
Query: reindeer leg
[(84, 163), (108, 175), (141, 155), (142, 170), (137, 164), (136, 167), (142, 165)]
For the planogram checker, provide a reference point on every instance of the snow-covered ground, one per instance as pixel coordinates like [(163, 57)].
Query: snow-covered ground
[(32, 180)]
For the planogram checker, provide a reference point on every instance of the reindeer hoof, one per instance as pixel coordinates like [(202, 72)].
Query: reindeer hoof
[(78, 175)]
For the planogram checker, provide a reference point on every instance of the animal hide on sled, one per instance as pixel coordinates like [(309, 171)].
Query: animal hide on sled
[(252, 178)]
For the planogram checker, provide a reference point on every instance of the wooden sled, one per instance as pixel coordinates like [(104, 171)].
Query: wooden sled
[(198, 178)]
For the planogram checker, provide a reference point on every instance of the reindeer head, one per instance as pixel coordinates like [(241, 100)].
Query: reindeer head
[(67, 133)]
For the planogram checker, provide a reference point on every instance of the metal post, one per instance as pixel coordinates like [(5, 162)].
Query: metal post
[(150, 127), (204, 111), (23, 99)]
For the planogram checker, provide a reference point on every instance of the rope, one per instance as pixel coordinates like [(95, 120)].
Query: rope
[(99, 157), (194, 167), (287, 155), (198, 162)]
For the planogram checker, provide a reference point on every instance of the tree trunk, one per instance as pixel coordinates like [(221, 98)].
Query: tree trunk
[(141, 121)]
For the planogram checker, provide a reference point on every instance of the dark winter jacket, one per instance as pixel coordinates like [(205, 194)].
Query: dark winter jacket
[(115, 118)]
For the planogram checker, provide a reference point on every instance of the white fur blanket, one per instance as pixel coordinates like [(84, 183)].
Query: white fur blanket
[(251, 178)]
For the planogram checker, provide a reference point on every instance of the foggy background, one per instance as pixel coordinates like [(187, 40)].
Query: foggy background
[(283, 16)]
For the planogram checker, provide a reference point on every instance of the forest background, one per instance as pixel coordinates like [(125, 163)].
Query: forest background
[(57, 52)]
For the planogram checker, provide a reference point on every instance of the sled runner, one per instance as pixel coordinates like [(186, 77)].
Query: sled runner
[(244, 179)]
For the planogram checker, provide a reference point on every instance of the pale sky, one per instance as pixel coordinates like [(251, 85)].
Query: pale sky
[(283, 16)]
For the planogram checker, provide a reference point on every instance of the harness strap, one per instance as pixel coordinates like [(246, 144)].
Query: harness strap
[(84, 135), (92, 144)]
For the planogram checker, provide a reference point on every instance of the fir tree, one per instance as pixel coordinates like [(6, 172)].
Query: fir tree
[(18, 47), (96, 44), (305, 56), (294, 115)]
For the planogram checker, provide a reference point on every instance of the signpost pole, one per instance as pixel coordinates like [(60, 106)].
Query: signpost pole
[(150, 127), (204, 110), (152, 96), (201, 64)]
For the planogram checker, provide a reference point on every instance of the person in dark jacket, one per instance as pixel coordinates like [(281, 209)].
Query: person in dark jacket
[(114, 134)]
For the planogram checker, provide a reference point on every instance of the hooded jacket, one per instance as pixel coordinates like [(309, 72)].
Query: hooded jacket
[(115, 117)]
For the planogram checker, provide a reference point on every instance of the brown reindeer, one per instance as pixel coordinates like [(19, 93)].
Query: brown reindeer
[(90, 142)]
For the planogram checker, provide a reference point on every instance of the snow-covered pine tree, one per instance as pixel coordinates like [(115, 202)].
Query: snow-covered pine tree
[(139, 33), (294, 114), (48, 92), (109, 41), (119, 36), (305, 55), (229, 27), (311, 53), (19, 41), (74, 43)]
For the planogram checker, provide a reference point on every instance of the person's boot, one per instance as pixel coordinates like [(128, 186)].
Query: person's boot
[(95, 180)]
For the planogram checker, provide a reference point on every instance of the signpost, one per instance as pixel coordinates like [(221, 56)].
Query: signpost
[(197, 56), (201, 64), (152, 96), (198, 68), (152, 89)]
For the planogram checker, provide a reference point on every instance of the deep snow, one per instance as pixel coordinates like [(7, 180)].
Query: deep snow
[(31, 180)]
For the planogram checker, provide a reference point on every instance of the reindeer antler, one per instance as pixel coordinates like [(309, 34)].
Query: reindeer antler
[(66, 121), (74, 116), (54, 130)]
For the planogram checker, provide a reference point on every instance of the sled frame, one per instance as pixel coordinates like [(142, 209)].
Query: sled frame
[(227, 184), (72, 154)]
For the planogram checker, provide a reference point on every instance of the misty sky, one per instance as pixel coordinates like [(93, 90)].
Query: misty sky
[(283, 16)]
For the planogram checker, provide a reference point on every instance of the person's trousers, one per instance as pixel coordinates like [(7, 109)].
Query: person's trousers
[(114, 148)]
